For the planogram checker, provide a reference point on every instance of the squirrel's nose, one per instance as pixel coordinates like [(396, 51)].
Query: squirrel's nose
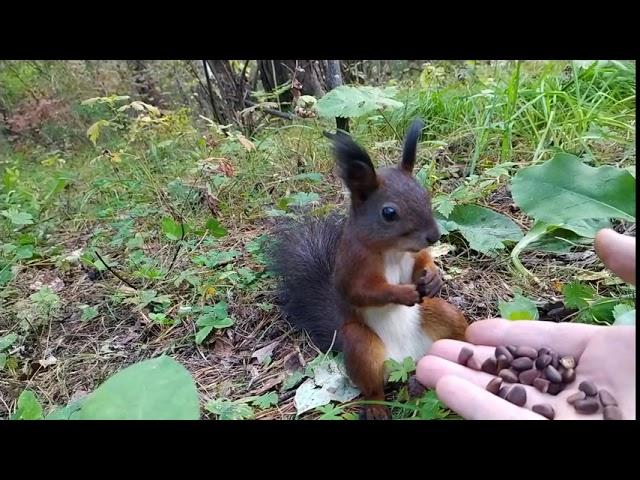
[(433, 237)]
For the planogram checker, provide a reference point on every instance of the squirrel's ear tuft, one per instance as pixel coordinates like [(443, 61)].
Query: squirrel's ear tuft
[(356, 168), (410, 146)]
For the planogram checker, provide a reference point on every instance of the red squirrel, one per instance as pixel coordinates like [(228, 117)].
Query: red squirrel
[(365, 285)]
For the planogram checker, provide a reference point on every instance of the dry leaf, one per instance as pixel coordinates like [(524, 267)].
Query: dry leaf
[(248, 145), (441, 249), (590, 276), (265, 352), (225, 168), (47, 361)]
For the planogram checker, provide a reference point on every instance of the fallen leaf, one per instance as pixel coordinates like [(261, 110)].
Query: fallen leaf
[(441, 249), (269, 385), (265, 352), (247, 144), (590, 276), (294, 361), (329, 383), (56, 284), (74, 257), (51, 360)]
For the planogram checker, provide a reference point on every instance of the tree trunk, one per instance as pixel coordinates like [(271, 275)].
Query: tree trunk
[(228, 92), (145, 85), (309, 79), (334, 79)]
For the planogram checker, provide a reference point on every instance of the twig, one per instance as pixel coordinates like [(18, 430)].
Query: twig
[(271, 111), (213, 103), (115, 274)]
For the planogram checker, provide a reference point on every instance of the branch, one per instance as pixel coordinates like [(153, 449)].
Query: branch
[(271, 111), (115, 274)]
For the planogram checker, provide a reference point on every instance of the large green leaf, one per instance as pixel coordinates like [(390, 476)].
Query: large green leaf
[(564, 189), (562, 238), (157, 389), (520, 308), (484, 229), (348, 101)]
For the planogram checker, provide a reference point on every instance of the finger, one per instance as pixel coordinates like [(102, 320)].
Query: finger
[(474, 403), (432, 368), (618, 253), (565, 338), (450, 350)]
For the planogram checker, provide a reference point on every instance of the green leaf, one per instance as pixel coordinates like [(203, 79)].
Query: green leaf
[(93, 132), (202, 334), (88, 313), (156, 389), (24, 252), (7, 340), (213, 259), (330, 412), (430, 407), (171, 229), (558, 240), (484, 229), (67, 412), (520, 308), (444, 205), (137, 242), (586, 227), (293, 380), (267, 400), (399, 372), (6, 275), (3, 360), (18, 218), (214, 322), (28, 407), (160, 318), (577, 295), (214, 227), (564, 189), (349, 102), (229, 410), (311, 177), (301, 199)]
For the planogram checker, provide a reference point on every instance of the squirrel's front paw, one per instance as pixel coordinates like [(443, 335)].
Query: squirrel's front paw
[(429, 284), (409, 296)]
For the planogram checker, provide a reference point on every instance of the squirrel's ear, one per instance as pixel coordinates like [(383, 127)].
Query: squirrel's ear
[(410, 146), (356, 168)]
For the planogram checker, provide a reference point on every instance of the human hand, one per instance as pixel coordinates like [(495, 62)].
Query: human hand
[(605, 355)]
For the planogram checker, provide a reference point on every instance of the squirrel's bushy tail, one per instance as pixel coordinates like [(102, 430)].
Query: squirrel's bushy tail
[(302, 254)]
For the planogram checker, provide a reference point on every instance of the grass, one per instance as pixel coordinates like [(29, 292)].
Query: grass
[(113, 197)]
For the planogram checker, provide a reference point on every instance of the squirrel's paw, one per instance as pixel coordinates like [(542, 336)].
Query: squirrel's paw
[(409, 296), (375, 412), (430, 283)]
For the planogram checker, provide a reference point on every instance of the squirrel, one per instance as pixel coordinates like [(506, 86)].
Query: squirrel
[(366, 285)]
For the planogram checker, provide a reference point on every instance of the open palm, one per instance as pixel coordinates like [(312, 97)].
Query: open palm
[(605, 355)]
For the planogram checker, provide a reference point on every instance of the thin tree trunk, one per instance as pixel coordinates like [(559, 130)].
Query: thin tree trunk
[(309, 79), (334, 79)]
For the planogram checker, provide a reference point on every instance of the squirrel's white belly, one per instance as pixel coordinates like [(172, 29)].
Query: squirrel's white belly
[(399, 326)]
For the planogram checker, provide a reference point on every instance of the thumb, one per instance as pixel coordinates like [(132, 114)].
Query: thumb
[(618, 253)]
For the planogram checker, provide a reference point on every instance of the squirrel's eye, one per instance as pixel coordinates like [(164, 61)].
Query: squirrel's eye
[(389, 214)]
